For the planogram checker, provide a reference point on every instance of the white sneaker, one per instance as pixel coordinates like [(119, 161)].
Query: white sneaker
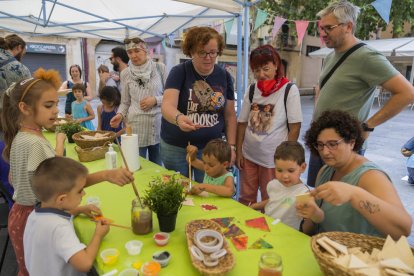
[(405, 178)]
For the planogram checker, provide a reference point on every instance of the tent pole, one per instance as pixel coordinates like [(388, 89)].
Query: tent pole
[(246, 46), (239, 80)]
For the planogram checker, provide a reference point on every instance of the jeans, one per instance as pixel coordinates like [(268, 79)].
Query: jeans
[(315, 164), (153, 153), (174, 158), (410, 175)]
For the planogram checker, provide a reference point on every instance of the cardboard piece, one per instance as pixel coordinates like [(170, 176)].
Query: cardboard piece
[(355, 262), (240, 242), (233, 231), (223, 222), (327, 247), (341, 248), (261, 244), (258, 223), (303, 198)]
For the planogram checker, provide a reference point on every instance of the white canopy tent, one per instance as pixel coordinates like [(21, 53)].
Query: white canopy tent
[(115, 20), (397, 50)]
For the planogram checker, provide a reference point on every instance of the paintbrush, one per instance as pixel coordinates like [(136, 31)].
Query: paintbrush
[(189, 171), (129, 132)]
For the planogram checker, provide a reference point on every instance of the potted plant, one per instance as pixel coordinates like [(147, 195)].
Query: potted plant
[(69, 129), (165, 199)]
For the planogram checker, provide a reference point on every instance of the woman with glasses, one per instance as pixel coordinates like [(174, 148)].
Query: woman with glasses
[(141, 96), (267, 118), (198, 103), (352, 193), (75, 73)]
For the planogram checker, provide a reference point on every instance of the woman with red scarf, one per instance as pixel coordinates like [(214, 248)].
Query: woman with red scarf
[(265, 122)]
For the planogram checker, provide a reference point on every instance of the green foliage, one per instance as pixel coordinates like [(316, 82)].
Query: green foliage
[(69, 128), (164, 198), (369, 19)]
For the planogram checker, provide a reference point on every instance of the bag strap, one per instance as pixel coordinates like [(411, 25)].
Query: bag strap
[(251, 91), (287, 89), (340, 61)]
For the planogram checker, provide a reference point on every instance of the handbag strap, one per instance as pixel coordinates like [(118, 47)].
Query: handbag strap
[(340, 61)]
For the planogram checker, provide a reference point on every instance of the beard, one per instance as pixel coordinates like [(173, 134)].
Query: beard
[(116, 66)]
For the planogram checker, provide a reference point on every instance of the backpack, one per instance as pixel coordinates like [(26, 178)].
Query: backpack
[(287, 89)]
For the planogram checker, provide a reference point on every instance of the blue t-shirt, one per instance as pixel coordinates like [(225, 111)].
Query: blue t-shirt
[(202, 100)]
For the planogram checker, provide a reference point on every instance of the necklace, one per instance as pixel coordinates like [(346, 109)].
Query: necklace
[(202, 77), (32, 128)]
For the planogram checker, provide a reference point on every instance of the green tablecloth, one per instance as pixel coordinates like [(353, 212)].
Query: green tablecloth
[(293, 246)]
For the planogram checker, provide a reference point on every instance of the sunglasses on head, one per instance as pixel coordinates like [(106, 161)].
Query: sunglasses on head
[(134, 40)]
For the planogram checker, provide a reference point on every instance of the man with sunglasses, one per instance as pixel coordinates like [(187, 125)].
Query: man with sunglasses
[(350, 87)]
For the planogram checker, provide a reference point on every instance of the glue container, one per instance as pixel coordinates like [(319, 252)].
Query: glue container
[(110, 157)]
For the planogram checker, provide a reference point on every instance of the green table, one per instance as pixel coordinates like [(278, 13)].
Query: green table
[(293, 246)]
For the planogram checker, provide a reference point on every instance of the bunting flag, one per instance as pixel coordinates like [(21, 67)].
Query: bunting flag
[(279, 21), (151, 52), (261, 18), (171, 39), (301, 27), (217, 28), (383, 7), (159, 48), (228, 26), (164, 45)]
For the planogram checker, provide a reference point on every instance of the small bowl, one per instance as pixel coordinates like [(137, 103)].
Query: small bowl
[(134, 247), (129, 272), (150, 268), (161, 257), (161, 238), (110, 256)]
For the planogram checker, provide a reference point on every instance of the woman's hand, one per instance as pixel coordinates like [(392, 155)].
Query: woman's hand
[(309, 210), (334, 192), (147, 103), (185, 123), (119, 176), (239, 160), (116, 120)]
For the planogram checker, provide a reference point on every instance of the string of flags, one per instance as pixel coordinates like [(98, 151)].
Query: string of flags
[(383, 7)]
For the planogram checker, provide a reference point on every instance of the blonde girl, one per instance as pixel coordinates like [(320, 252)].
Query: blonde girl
[(28, 106)]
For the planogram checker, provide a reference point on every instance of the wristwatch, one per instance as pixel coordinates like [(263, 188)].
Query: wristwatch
[(365, 127)]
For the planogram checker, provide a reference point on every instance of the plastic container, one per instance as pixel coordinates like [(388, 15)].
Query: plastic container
[(150, 268), (141, 218), (110, 158), (110, 256), (134, 247), (161, 238), (129, 272), (162, 257)]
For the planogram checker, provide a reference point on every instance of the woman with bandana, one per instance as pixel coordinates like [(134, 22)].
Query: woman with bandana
[(266, 119), (141, 96)]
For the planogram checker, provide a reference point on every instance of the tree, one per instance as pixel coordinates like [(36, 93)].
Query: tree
[(369, 20)]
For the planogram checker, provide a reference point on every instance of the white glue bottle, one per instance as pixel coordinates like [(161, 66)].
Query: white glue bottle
[(110, 157)]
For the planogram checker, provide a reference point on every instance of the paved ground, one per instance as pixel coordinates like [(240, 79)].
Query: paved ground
[(384, 149)]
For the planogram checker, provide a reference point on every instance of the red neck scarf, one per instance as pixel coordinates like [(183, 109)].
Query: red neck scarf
[(268, 87)]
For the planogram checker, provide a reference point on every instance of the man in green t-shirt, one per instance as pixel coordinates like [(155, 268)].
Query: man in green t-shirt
[(351, 87)]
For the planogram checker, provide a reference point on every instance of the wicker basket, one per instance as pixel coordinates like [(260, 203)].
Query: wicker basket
[(61, 121), (92, 154), (84, 144), (326, 260), (225, 264)]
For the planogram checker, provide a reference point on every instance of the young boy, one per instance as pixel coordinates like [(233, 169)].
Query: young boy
[(289, 165), (216, 158), (50, 242)]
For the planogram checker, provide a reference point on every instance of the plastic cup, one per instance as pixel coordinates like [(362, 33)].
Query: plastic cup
[(110, 256)]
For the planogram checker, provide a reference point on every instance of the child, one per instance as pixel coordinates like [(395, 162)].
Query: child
[(82, 111), (110, 98), (407, 151), (50, 242), (216, 158), (289, 164), (28, 106)]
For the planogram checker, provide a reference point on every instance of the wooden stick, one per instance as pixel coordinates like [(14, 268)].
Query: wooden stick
[(190, 171), (126, 166), (120, 226)]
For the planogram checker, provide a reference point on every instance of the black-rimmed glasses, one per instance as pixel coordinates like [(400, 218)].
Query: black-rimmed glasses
[(331, 145), (329, 28), (203, 54)]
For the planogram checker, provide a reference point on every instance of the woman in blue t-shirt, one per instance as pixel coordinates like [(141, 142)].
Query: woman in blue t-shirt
[(198, 103)]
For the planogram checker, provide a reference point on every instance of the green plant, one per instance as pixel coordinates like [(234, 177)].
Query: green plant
[(164, 198), (69, 129)]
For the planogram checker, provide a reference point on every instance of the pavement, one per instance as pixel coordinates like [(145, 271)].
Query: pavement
[(384, 146)]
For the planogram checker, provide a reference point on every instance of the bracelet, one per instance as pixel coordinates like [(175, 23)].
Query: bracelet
[(176, 117), (233, 147), (122, 116)]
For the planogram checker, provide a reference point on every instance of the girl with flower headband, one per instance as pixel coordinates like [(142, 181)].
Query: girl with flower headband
[(27, 107), (270, 114), (141, 96)]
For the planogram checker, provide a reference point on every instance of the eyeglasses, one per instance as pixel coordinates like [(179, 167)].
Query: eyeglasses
[(331, 145), (135, 40), (258, 52), (328, 29), (203, 54)]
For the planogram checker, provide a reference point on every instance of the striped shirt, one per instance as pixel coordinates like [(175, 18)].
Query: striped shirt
[(27, 152), (147, 124)]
